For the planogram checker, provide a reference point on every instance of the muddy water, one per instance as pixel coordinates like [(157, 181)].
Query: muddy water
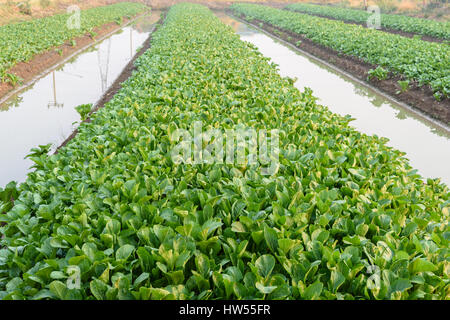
[(45, 113), (426, 144)]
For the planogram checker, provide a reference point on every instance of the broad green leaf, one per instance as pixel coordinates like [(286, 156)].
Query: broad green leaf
[(124, 252), (401, 285), (271, 238), (313, 291), (265, 289), (337, 279), (421, 265), (265, 265), (98, 289), (59, 289)]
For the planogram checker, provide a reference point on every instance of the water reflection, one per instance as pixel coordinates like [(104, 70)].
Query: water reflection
[(131, 43), (11, 103), (45, 112), (54, 103), (103, 54), (425, 144)]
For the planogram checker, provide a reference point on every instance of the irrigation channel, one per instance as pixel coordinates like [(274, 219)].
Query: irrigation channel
[(45, 112), (425, 142)]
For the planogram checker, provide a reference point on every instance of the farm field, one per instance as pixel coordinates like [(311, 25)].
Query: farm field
[(47, 109), (423, 143), (410, 62), (206, 171), (19, 42), (432, 28)]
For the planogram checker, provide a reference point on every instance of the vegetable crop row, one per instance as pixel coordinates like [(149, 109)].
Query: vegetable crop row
[(113, 208), (426, 62), (19, 42), (431, 28)]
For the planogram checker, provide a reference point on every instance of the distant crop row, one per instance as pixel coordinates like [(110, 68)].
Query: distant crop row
[(389, 21), (342, 212), (426, 62), (19, 42)]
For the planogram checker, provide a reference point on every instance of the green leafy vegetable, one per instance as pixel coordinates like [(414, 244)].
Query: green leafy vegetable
[(19, 42), (111, 216), (425, 62)]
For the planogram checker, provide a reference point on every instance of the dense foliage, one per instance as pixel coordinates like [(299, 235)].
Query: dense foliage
[(342, 210), (19, 42), (389, 21), (426, 62)]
